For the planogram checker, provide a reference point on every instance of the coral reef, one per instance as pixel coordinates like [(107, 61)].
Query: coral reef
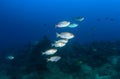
[(98, 60)]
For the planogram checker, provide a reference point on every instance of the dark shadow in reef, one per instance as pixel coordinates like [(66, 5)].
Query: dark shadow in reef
[(31, 60)]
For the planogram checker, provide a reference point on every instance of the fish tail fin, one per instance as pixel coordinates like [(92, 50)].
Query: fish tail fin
[(57, 35), (43, 53), (48, 59), (52, 45), (55, 26)]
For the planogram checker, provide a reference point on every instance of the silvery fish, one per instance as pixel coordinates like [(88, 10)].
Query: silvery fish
[(73, 25), (62, 24), (54, 58), (59, 44), (49, 52), (10, 57), (65, 35), (79, 19), (62, 40)]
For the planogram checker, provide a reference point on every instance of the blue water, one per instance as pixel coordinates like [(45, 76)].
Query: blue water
[(22, 21)]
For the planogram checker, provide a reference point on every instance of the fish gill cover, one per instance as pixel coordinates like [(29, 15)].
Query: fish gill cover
[(59, 39)]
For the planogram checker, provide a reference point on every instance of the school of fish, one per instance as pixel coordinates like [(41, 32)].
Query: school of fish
[(64, 38)]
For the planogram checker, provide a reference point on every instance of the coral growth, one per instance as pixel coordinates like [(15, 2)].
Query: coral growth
[(98, 60)]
